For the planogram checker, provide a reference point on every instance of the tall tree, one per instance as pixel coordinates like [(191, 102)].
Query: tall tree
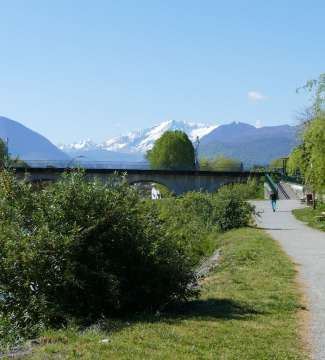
[(173, 150), (4, 158), (309, 157)]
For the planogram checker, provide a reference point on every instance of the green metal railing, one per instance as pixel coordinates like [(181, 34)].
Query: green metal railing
[(271, 183)]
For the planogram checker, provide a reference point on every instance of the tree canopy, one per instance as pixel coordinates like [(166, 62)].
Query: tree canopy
[(173, 150), (220, 163), (309, 157), (3, 154)]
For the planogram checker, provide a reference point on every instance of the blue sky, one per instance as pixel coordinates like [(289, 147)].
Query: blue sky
[(74, 69)]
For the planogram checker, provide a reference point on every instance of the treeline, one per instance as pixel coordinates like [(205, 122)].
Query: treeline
[(308, 159), (83, 249), (174, 151)]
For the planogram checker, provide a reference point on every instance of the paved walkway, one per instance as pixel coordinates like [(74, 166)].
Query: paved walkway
[(307, 248)]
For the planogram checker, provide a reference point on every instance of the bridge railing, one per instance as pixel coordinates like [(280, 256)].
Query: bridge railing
[(71, 164), (88, 164)]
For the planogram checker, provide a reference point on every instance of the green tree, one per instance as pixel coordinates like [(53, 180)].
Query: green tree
[(276, 163), (220, 163), (6, 161), (296, 162), (314, 140), (309, 157), (3, 154), (173, 150)]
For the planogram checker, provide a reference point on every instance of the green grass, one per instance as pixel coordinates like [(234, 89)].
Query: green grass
[(248, 309), (308, 215)]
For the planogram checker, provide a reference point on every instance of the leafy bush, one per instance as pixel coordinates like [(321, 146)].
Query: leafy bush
[(189, 221), (220, 163), (231, 209), (195, 220), (83, 249), (252, 189)]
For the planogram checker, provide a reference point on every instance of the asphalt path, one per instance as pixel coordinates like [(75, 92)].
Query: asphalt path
[(306, 247)]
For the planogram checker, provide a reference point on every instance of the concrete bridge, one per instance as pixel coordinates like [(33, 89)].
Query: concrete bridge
[(177, 181)]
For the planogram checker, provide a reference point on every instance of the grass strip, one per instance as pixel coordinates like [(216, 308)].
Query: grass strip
[(309, 216)]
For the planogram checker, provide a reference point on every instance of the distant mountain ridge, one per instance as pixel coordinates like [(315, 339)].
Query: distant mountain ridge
[(28, 144), (238, 140), (249, 144), (133, 146), (141, 140), (242, 141)]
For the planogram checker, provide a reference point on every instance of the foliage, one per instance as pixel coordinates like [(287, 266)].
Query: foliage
[(248, 309), (296, 163), (4, 158), (164, 191), (220, 163), (196, 219), (231, 209), (317, 88), (252, 189), (173, 150), (309, 158), (276, 163), (311, 216), (83, 249), (6, 161), (314, 141), (190, 221)]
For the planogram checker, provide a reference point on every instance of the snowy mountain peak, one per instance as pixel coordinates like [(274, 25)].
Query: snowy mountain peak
[(140, 141), (81, 145)]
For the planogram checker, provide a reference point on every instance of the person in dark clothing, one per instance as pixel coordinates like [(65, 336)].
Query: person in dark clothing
[(273, 198)]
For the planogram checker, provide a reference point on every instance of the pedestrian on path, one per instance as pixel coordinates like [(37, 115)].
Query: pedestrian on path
[(273, 198)]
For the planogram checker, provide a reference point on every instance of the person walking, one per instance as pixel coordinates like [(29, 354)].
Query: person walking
[(273, 198)]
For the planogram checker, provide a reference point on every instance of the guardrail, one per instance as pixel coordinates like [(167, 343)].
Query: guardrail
[(271, 183), (104, 165), (71, 164)]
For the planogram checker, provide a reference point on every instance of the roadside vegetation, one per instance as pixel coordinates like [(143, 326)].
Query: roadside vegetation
[(247, 309), (311, 217), (84, 250), (173, 151), (308, 159), (220, 163)]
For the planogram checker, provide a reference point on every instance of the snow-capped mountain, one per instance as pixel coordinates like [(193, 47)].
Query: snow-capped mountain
[(139, 141)]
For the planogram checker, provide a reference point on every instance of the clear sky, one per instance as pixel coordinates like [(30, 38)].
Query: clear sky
[(74, 69)]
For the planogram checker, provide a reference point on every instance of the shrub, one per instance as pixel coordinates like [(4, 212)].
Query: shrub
[(252, 189), (231, 209), (83, 249), (189, 221)]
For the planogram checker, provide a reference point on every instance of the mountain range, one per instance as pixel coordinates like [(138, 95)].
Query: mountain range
[(238, 140), (133, 146), (245, 142), (249, 144), (28, 144)]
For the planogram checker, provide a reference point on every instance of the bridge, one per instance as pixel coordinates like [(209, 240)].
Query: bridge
[(177, 181)]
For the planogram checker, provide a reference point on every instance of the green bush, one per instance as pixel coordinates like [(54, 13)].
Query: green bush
[(252, 189), (189, 221), (195, 220), (231, 209), (83, 249)]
